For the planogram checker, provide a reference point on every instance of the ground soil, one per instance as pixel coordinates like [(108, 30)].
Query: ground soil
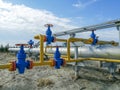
[(47, 78)]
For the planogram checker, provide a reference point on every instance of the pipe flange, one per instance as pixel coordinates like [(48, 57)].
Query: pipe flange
[(13, 66), (30, 64), (64, 63), (53, 63), (45, 38), (90, 40)]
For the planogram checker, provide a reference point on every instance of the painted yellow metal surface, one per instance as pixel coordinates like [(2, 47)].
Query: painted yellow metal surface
[(41, 37), (42, 64), (61, 40), (5, 66)]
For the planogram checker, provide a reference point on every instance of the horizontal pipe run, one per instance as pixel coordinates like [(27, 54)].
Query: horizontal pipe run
[(42, 64), (5, 66), (93, 59), (74, 60), (75, 39), (63, 56), (37, 37), (60, 40), (104, 60)]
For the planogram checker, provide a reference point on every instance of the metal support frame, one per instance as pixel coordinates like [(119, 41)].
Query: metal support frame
[(104, 25), (112, 67), (76, 63), (118, 28), (119, 35), (75, 56)]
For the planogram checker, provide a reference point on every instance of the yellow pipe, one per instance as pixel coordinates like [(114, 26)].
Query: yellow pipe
[(89, 41), (68, 45), (68, 49), (75, 39), (37, 37), (74, 60), (86, 41), (5, 66), (51, 46), (61, 40), (63, 56), (93, 59), (41, 48), (42, 64), (104, 60)]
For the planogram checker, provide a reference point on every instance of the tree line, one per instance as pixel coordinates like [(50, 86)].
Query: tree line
[(4, 48)]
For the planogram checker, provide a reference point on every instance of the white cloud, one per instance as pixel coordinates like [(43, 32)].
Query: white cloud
[(23, 20), (19, 23), (80, 4), (21, 17)]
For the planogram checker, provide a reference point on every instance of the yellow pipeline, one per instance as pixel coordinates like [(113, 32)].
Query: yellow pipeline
[(37, 37), (89, 41), (5, 66), (42, 64), (75, 39), (93, 59), (41, 37), (68, 49), (60, 40), (104, 60), (63, 56), (86, 41), (68, 45)]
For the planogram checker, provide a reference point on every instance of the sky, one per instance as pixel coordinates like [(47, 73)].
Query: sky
[(21, 20)]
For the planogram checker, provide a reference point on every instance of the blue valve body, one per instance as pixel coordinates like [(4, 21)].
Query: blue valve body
[(58, 60), (31, 43), (49, 36), (93, 36), (21, 63)]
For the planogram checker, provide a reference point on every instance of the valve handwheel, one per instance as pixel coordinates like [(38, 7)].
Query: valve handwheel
[(48, 25), (21, 44)]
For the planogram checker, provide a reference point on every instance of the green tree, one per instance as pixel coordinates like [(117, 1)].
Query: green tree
[(1, 48), (6, 48)]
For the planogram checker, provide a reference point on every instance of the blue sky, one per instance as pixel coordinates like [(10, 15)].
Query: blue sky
[(22, 19)]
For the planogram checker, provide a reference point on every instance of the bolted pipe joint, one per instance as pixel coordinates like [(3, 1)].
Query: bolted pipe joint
[(13, 66), (21, 63), (49, 38), (31, 42), (58, 61), (94, 38)]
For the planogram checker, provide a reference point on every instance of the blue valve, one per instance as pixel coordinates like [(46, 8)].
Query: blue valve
[(31, 43), (21, 63), (95, 39), (59, 61), (49, 37)]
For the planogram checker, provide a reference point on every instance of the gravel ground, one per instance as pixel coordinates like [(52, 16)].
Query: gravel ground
[(47, 78)]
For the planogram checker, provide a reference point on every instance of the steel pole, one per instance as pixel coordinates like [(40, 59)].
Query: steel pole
[(119, 34)]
